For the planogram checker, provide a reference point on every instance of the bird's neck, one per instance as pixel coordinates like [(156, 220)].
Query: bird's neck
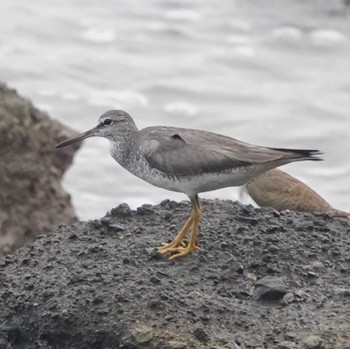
[(122, 146)]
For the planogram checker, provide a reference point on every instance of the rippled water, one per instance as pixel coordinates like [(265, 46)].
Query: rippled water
[(274, 73)]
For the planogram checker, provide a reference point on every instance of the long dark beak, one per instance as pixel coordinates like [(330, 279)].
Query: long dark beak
[(79, 138)]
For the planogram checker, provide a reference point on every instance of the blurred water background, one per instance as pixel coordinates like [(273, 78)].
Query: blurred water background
[(269, 72)]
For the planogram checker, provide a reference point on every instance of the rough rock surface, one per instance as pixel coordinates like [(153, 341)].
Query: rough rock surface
[(32, 200), (102, 284)]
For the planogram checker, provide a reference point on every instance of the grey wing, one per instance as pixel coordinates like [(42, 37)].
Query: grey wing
[(187, 152)]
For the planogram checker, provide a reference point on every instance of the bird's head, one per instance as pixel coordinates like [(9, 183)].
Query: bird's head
[(111, 124)]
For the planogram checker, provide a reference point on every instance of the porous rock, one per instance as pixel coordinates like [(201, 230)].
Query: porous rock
[(32, 200), (87, 286)]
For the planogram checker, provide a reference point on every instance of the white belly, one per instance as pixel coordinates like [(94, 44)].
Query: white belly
[(192, 185)]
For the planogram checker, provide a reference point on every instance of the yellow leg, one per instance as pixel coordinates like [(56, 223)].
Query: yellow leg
[(166, 248), (177, 244)]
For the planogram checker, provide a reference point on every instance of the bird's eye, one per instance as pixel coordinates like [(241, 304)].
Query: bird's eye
[(107, 122)]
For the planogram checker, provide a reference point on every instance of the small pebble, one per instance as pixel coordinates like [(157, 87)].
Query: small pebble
[(269, 288), (201, 335), (155, 280), (313, 342), (142, 334), (287, 299), (287, 345)]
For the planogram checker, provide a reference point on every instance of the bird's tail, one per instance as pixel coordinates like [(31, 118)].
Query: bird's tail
[(301, 154)]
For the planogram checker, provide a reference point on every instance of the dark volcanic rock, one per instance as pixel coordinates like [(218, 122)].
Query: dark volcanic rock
[(269, 288), (89, 286), (32, 200)]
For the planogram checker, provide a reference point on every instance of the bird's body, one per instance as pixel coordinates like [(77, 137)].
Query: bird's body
[(186, 160), (193, 161)]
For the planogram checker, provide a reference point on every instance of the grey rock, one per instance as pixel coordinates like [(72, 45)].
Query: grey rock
[(122, 209), (287, 345), (176, 344), (287, 299), (342, 291), (142, 334), (116, 227), (83, 288), (317, 265), (313, 342), (201, 335), (301, 296), (269, 288)]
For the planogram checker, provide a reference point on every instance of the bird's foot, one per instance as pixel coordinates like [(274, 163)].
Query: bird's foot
[(178, 248), (167, 248), (183, 251)]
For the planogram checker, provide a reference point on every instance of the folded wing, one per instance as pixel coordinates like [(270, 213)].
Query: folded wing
[(182, 152)]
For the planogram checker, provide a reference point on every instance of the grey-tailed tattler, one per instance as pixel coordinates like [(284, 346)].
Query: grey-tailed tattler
[(187, 161)]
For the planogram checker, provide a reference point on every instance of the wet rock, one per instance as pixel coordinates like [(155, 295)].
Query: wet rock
[(269, 288)]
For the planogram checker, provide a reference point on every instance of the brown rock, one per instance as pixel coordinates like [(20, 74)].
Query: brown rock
[(32, 200), (281, 191)]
